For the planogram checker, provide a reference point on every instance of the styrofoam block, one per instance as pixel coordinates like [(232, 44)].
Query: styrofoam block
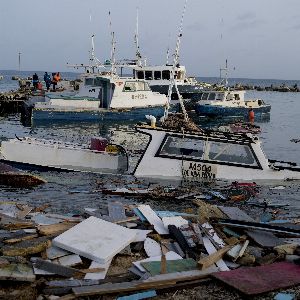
[(176, 221), (95, 239)]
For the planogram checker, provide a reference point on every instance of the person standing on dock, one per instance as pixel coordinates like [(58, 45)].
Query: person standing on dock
[(55, 80), (47, 80), (35, 81)]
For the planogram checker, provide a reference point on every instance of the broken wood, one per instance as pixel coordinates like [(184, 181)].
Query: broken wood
[(55, 229), (209, 260)]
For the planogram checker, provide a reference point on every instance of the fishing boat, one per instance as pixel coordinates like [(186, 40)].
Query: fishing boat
[(208, 155), (226, 102), (102, 97), (159, 76), (98, 157)]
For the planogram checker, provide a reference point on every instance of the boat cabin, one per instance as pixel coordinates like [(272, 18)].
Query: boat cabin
[(222, 95), (159, 73), (208, 155)]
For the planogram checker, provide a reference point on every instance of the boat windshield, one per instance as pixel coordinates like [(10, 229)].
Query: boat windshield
[(229, 152), (135, 86), (182, 147), (201, 149)]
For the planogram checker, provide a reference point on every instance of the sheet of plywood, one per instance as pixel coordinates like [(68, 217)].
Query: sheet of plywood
[(95, 239), (257, 280)]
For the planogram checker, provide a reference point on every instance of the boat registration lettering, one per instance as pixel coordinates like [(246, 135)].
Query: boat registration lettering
[(138, 97), (198, 171)]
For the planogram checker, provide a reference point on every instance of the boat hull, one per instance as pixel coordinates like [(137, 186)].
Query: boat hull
[(48, 115), (218, 110), (42, 153)]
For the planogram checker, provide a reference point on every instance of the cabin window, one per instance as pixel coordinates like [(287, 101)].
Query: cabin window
[(140, 75), (89, 81), (219, 96), (134, 86), (157, 75), (204, 96), (129, 86), (182, 147), (236, 97), (97, 81), (212, 96), (229, 97), (148, 75), (180, 75), (166, 75), (228, 152)]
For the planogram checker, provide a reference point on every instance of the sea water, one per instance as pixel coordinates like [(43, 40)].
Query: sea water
[(67, 192)]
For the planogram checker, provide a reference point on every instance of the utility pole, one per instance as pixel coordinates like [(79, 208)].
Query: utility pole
[(19, 61)]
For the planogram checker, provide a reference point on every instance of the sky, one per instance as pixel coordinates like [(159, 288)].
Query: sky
[(259, 38)]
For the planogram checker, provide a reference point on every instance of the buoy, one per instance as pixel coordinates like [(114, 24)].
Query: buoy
[(251, 115)]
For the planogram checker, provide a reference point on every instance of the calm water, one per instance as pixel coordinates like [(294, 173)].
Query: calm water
[(73, 191)]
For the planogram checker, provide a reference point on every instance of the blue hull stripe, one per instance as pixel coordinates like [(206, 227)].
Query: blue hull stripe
[(229, 111), (133, 114)]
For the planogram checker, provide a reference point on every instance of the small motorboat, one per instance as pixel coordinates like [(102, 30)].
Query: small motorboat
[(98, 157), (228, 103)]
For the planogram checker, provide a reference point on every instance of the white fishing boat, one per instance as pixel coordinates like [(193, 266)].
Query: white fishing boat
[(31, 153), (102, 97), (226, 102), (208, 155), (159, 76)]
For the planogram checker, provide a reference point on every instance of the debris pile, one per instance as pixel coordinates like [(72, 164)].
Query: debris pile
[(176, 121), (130, 249)]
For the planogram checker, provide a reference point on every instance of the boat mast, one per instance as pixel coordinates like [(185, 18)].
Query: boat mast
[(113, 47), (175, 64), (94, 61), (224, 80), (136, 40)]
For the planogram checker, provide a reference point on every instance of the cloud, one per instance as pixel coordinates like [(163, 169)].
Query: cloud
[(246, 21), (196, 26)]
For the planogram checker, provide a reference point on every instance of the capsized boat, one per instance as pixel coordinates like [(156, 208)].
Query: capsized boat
[(100, 97), (208, 155), (13, 177), (98, 157), (222, 103)]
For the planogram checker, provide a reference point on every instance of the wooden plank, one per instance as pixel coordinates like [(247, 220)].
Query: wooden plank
[(264, 238), (55, 268), (26, 248), (210, 250), (17, 272), (235, 213), (157, 282), (55, 229), (213, 258), (153, 219)]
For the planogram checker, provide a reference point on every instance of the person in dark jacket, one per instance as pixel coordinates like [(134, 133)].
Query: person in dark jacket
[(35, 81), (47, 80)]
